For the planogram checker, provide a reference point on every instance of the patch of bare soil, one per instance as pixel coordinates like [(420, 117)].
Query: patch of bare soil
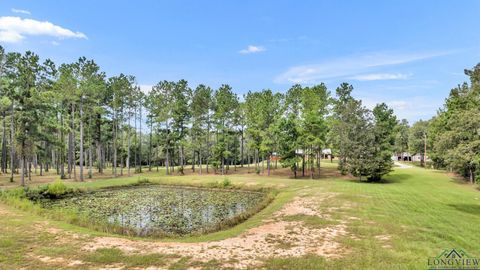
[(305, 206), (384, 239), (61, 236), (56, 260), (277, 239), (117, 266), (11, 215), (274, 238)]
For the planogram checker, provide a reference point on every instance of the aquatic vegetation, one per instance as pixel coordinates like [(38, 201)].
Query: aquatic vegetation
[(164, 210)]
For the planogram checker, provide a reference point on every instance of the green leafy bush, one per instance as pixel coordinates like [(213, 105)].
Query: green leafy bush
[(57, 188), (226, 182), (54, 190)]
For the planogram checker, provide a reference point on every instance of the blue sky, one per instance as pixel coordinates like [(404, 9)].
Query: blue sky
[(408, 54)]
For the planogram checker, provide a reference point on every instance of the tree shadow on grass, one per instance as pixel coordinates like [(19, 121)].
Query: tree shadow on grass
[(389, 179), (473, 209)]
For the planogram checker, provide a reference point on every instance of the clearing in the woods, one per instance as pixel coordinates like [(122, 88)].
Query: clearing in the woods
[(333, 222)]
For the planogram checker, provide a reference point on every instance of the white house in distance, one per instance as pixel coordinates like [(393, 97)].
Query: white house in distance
[(406, 156), (326, 153)]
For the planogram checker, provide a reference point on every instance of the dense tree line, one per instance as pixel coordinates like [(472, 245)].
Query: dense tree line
[(451, 139), (454, 133), (73, 116)]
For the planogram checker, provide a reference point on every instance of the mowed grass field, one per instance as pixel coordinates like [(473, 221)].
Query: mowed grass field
[(415, 214)]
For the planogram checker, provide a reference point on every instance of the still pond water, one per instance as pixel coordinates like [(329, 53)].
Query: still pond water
[(163, 210)]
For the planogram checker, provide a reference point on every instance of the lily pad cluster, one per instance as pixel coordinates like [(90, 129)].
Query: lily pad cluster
[(163, 210)]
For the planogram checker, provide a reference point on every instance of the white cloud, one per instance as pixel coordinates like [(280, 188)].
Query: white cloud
[(410, 108), (11, 37), (252, 49), (349, 66), (380, 76), (14, 29), (54, 43), (22, 11)]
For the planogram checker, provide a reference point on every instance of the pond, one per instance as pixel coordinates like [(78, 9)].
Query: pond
[(164, 210)]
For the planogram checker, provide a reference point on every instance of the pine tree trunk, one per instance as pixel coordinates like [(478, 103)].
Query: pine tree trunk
[(295, 171), (223, 165), (319, 154), (263, 163), (193, 161), (98, 143), (55, 161), (200, 161), (90, 162), (81, 139), (150, 147), (135, 141), (12, 146), (181, 159), (47, 147), (114, 167), (62, 149), (140, 142), (29, 172), (167, 162), (311, 159), (268, 165), (35, 162), (4, 146), (167, 154), (208, 141), (73, 156), (303, 163), (70, 143), (122, 142), (472, 176), (241, 150), (69, 155), (128, 146), (22, 174)]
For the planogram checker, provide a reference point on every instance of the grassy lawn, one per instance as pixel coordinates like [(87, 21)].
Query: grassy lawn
[(398, 224)]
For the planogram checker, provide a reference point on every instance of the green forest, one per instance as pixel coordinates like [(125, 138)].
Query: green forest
[(69, 117)]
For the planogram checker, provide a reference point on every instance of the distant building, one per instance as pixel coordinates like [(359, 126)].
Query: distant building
[(406, 156), (326, 153)]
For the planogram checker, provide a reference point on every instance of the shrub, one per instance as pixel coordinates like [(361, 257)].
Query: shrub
[(57, 188), (54, 190), (226, 182)]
